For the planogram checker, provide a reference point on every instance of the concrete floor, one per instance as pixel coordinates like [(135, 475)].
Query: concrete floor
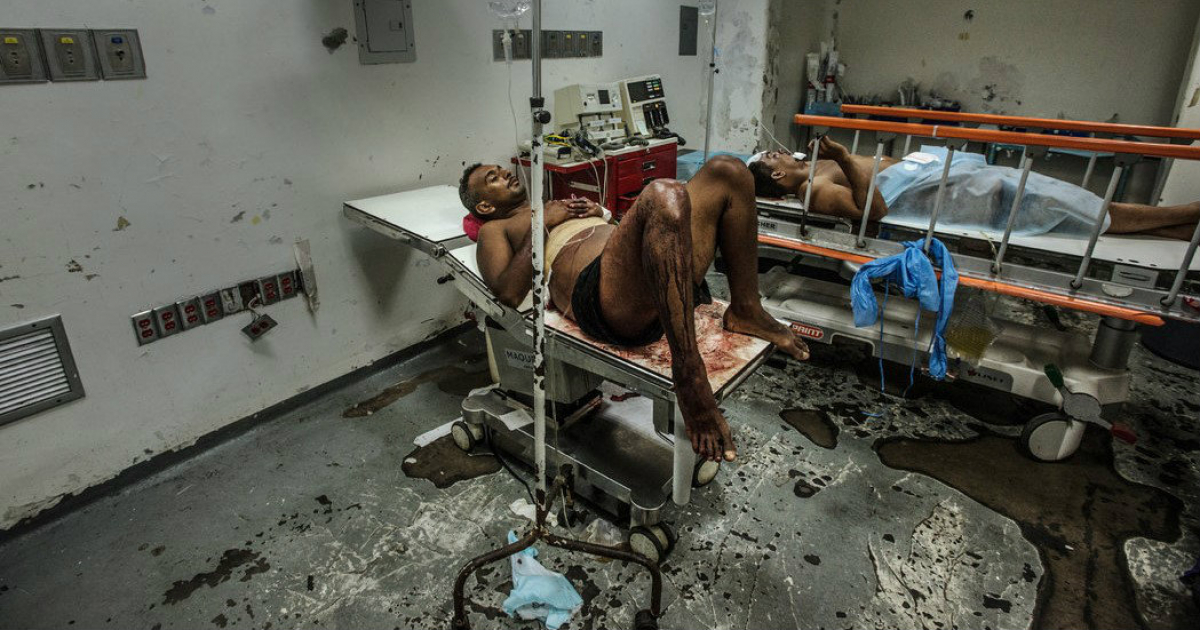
[(925, 516)]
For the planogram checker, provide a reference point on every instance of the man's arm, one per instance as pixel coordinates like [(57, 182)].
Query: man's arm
[(508, 273), (831, 198)]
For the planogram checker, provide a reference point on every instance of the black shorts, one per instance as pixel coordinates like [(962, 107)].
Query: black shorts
[(585, 305)]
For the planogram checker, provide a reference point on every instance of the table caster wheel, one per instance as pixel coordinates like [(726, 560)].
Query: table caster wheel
[(466, 435), (704, 472), (644, 620), (643, 540), (1044, 435)]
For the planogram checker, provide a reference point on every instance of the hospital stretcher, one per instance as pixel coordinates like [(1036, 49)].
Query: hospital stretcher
[(1125, 280), (613, 413)]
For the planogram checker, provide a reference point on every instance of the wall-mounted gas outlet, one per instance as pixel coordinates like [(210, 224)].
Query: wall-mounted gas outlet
[(21, 57), (119, 52), (555, 44), (70, 55)]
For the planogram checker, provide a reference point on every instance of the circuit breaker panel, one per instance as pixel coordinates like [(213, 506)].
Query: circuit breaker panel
[(385, 31)]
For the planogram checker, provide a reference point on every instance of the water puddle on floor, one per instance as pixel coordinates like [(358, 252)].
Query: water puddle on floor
[(1078, 513), (444, 464), (451, 380)]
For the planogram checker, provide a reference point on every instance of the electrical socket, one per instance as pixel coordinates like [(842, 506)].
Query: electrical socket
[(261, 325), (189, 313), (143, 327), (287, 285), (167, 318), (210, 307), (268, 289)]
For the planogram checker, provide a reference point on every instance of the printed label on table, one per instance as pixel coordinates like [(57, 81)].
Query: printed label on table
[(805, 330), (519, 359)]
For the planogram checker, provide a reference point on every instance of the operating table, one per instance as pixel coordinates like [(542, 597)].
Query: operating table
[(612, 413)]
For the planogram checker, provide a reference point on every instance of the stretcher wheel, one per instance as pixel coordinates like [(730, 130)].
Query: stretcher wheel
[(653, 541), (644, 620), (1044, 435), (465, 435), (705, 471)]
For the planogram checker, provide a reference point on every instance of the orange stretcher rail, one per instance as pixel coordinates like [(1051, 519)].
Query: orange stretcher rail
[(1098, 145), (1023, 121), (1003, 288)]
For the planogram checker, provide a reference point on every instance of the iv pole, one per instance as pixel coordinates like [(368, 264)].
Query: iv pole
[(712, 71), (646, 619)]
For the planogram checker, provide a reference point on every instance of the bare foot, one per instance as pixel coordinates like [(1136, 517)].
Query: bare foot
[(758, 323), (711, 438)]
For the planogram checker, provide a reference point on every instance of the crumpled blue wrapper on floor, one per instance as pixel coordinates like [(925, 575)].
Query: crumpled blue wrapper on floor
[(539, 593)]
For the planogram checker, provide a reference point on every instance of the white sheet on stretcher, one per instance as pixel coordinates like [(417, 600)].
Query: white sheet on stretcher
[(1130, 249), (1139, 250)]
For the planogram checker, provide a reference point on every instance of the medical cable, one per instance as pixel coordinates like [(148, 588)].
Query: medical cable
[(504, 463), (772, 137), (517, 133)]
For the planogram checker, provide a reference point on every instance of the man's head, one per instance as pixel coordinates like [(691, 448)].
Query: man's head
[(489, 191), (778, 174)]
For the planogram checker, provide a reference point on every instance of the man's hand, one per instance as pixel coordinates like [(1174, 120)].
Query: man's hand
[(584, 207), (831, 150), (559, 211)]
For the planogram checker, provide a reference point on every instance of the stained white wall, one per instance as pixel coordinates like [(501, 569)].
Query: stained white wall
[(794, 29), (1081, 59), (1182, 184), (248, 135)]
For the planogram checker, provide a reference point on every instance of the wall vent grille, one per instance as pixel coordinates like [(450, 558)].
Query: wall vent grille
[(37, 370)]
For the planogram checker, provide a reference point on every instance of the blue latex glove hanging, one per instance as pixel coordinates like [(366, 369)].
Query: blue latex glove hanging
[(539, 593), (913, 272)]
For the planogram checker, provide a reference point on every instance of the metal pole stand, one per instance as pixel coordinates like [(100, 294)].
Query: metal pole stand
[(645, 619), (1113, 344)]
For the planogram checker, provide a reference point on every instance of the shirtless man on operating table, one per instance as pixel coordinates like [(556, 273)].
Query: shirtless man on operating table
[(627, 284), (842, 179)]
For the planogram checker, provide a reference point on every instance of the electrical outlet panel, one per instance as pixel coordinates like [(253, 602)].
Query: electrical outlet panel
[(189, 313), (70, 55), (167, 320), (21, 57), (144, 328), (119, 52)]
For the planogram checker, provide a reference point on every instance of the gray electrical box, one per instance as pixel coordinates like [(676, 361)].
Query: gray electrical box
[(385, 31), (119, 52), (21, 56), (70, 55)]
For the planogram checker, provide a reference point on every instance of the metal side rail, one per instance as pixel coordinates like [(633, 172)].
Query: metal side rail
[(1141, 304)]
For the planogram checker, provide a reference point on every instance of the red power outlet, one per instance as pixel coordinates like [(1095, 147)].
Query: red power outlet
[(190, 314), (143, 327), (210, 307)]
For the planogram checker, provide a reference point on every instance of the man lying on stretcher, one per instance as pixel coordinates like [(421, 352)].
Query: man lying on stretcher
[(627, 284), (978, 195)]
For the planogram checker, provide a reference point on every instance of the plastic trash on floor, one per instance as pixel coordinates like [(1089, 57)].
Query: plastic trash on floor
[(539, 593)]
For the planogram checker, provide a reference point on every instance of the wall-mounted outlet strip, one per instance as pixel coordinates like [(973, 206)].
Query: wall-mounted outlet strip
[(190, 312)]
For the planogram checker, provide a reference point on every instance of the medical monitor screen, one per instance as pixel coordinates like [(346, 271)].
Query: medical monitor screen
[(604, 97)]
